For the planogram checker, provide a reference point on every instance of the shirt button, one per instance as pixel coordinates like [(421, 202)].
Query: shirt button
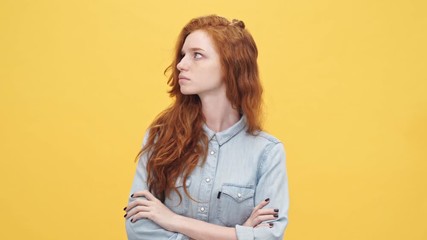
[(239, 195), (202, 209), (208, 180), (212, 152)]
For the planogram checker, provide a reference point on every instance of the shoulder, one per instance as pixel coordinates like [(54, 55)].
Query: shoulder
[(147, 136), (263, 143), (273, 145), (272, 153), (264, 136)]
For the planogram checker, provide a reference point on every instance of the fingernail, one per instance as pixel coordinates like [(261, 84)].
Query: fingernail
[(271, 225), (275, 215), (125, 215), (124, 209), (131, 220), (276, 210), (267, 199), (131, 195)]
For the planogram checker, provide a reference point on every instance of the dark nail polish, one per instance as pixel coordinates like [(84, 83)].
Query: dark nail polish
[(131, 220), (125, 215), (271, 225), (267, 199), (124, 209), (276, 210), (131, 195), (275, 215)]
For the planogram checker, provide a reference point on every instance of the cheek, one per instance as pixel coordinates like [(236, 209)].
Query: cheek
[(215, 73), (215, 79)]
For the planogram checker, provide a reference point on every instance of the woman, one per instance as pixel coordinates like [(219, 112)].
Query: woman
[(206, 170)]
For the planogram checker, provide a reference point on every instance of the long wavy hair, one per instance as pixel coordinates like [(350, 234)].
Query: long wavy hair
[(176, 141)]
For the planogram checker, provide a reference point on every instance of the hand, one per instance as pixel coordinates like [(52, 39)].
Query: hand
[(260, 215), (150, 208)]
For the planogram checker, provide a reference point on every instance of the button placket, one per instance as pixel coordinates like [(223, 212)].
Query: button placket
[(207, 180)]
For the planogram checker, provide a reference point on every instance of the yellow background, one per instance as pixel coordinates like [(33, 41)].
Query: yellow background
[(345, 89)]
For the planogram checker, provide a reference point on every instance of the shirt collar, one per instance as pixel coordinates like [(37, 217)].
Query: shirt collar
[(224, 136)]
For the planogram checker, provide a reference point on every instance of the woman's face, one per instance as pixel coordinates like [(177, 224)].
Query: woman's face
[(200, 67)]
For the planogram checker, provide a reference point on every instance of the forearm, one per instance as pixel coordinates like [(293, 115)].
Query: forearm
[(200, 230), (145, 229)]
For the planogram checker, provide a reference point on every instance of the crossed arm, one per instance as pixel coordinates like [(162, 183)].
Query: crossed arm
[(146, 206)]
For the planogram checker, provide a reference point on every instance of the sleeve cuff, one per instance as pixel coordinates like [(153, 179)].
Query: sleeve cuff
[(244, 233)]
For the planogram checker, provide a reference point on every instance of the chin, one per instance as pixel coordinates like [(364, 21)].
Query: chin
[(187, 91), (187, 94)]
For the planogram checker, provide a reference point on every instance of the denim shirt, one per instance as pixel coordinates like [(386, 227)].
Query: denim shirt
[(240, 171)]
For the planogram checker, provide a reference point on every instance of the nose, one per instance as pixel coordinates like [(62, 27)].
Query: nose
[(182, 65)]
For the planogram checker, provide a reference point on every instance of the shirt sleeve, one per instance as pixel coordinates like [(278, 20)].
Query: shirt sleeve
[(273, 184), (145, 229)]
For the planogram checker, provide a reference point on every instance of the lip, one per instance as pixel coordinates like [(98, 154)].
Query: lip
[(182, 77)]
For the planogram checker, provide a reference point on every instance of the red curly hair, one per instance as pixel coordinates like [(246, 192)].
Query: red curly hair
[(177, 141)]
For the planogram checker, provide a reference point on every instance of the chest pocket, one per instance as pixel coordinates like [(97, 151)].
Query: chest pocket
[(173, 201), (235, 204)]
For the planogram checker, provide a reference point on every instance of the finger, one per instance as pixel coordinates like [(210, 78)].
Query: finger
[(266, 211), (258, 219), (263, 218), (136, 210), (262, 204), (137, 202), (263, 215), (139, 216), (145, 194)]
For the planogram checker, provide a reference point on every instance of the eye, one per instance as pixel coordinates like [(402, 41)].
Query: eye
[(197, 55)]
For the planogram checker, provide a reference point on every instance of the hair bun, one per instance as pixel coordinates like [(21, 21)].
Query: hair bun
[(238, 23)]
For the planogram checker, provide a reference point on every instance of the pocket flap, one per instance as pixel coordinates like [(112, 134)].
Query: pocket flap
[(238, 193)]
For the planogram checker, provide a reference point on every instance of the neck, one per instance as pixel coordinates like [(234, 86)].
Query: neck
[(219, 113)]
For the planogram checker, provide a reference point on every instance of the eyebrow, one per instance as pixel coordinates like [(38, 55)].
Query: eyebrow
[(194, 49)]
